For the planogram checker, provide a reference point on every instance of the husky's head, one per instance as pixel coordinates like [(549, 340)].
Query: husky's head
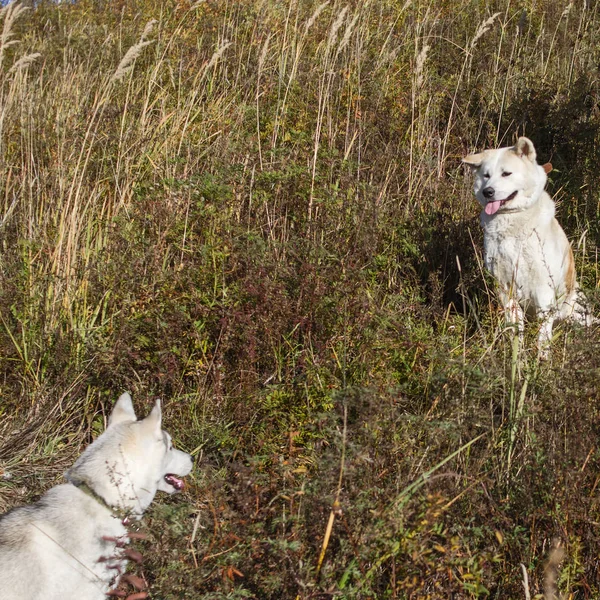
[(507, 179), (131, 460)]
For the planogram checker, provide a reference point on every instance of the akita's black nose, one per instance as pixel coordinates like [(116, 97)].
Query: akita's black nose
[(488, 192)]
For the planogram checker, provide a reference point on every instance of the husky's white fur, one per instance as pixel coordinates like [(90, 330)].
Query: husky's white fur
[(526, 249), (68, 546)]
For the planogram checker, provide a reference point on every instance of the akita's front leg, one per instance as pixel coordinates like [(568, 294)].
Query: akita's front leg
[(545, 334), (514, 315)]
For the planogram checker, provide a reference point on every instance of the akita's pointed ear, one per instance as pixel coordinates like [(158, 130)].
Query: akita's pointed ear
[(474, 160), (123, 411), (524, 149), (153, 422)]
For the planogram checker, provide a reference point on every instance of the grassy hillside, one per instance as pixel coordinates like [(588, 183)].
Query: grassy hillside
[(256, 211)]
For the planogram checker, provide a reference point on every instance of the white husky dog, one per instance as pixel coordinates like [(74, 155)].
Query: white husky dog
[(69, 545), (526, 250)]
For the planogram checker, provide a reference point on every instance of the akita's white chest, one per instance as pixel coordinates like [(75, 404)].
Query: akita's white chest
[(528, 264), (512, 260)]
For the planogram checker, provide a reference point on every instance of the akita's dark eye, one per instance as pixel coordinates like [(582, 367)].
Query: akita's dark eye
[(486, 175), (506, 174)]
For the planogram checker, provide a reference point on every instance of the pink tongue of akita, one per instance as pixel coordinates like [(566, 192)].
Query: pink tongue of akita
[(493, 207)]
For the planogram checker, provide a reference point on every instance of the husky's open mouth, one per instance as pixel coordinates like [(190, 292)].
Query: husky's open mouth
[(493, 206), (174, 481)]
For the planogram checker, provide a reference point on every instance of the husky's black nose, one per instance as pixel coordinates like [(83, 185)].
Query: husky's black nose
[(488, 192)]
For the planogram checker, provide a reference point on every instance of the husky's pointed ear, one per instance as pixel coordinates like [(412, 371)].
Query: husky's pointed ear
[(524, 149), (123, 411), (153, 422), (474, 160)]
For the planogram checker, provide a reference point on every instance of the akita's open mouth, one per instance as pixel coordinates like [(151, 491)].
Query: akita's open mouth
[(493, 206), (174, 481)]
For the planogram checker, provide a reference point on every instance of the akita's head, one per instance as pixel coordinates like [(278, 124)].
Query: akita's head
[(508, 179), (131, 460)]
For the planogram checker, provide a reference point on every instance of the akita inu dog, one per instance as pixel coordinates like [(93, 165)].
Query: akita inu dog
[(69, 545), (525, 248)]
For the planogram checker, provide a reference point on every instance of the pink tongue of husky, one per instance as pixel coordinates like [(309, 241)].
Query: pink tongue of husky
[(177, 483)]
